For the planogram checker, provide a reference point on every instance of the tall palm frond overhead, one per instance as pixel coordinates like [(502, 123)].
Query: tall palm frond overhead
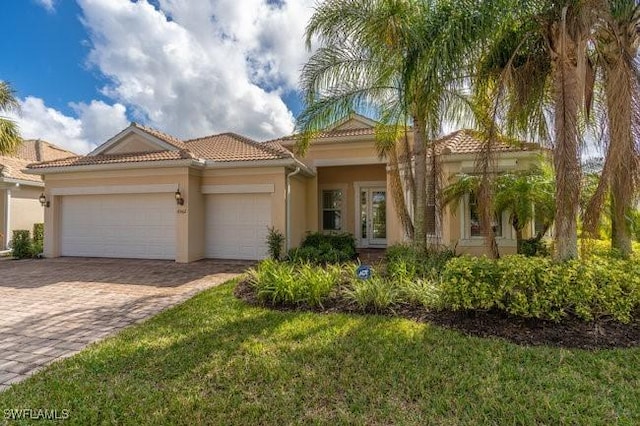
[(544, 60), (400, 60), (9, 134)]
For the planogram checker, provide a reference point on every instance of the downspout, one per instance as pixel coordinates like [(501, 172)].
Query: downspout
[(288, 202)]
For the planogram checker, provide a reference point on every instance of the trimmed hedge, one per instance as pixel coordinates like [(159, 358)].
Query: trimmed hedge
[(21, 244), (539, 288)]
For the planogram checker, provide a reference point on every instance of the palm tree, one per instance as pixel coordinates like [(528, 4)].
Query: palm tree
[(542, 60), (9, 135), (526, 195), (617, 41), (401, 59)]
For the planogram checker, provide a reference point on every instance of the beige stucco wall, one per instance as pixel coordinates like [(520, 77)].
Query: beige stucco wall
[(299, 226), (176, 177), (255, 176), (24, 210), (132, 143), (190, 217), (456, 218), (346, 178)]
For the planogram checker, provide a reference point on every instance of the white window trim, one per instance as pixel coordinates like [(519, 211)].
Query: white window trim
[(357, 186), (466, 240), (332, 187)]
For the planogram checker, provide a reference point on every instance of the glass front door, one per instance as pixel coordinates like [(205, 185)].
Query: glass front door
[(373, 217)]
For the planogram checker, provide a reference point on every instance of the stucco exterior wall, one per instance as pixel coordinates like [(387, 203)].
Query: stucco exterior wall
[(190, 218), (299, 226), (255, 176), (456, 218), (88, 181), (25, 208)]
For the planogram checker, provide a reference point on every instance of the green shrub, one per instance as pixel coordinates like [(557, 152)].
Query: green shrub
[(291, 284), (540, 288), (409, 259), (422, 292), (275, 241), (21, 246), (322, 248), (372, 295), (535, 247), (38, 238)]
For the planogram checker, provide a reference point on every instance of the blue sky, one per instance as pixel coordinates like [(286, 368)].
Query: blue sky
[(83, 69)]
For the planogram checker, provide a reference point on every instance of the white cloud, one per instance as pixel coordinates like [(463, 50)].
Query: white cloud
[(96, 122), (47, 4), (195, 68)]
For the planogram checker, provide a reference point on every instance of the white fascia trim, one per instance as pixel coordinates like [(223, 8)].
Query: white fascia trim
[(115, 189), (288, 162), (21, 182), (117, 166), (348, 161), (132, 129), (266, 188)]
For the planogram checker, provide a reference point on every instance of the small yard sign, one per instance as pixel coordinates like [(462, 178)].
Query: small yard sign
[(364, 272)]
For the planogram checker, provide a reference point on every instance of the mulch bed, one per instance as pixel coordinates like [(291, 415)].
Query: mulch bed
[(571, 332)]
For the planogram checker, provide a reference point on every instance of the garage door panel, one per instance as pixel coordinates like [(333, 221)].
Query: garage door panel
[(120, 225), (236, 225)]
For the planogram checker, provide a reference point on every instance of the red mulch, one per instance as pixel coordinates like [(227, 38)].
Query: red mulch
[(570, 332)]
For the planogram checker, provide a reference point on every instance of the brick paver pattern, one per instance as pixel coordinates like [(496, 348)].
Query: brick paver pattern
[(52, 308)]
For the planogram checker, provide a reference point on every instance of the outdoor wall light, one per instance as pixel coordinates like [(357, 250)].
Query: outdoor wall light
[(43, 201), (179, 199)]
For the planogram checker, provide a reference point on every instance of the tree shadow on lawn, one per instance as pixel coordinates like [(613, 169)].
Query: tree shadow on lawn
[(217, 360)]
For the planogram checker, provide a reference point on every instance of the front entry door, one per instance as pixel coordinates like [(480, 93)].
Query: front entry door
[(373, 217)]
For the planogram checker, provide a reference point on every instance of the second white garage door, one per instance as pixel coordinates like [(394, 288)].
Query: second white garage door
[(139, 226), (236, 226)]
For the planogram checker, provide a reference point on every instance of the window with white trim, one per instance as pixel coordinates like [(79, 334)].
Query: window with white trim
[(332, 202), (475, 227)]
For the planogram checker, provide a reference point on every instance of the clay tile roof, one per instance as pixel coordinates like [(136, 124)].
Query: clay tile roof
[(39, 150), (336, 133), (114, 159), (468, 142), (233, 147), (165, 137), (11, 168)]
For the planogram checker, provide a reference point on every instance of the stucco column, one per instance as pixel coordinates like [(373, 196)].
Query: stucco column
[(6, 226), (52, 226)]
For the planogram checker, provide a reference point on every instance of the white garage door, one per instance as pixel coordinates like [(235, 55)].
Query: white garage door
[(139, 226), (236, 226)]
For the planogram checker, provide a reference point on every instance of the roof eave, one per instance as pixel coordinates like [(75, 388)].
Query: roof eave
[(280, 162), (25, 182), (118, 166)]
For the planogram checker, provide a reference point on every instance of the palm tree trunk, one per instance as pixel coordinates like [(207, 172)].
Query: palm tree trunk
[(419, 152), (566, 155), (619, 87), (398, 194)]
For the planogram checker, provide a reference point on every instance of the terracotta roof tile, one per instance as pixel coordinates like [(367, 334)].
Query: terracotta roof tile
[(135, 157), (165, 137), (11, 168), (336, 133), (39, 150), (467, 142), (233, 147)]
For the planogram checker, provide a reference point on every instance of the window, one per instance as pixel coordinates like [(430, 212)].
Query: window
[(474, 219), (332, 210)]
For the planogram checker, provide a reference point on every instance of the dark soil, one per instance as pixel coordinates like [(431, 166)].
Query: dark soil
[(570, 332)]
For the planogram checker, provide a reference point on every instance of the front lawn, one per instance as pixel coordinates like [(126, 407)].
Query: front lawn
[(217, 360)]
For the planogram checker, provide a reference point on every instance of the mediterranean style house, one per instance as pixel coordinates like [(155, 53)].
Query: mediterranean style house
[(146, 194), (19, 191)]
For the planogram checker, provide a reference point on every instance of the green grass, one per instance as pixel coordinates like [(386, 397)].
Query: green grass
[(216, 360)]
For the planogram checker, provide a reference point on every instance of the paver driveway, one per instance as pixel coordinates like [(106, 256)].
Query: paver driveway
[(52, 308)]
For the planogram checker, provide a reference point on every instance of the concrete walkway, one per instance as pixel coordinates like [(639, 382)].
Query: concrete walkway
[(52, 308)]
